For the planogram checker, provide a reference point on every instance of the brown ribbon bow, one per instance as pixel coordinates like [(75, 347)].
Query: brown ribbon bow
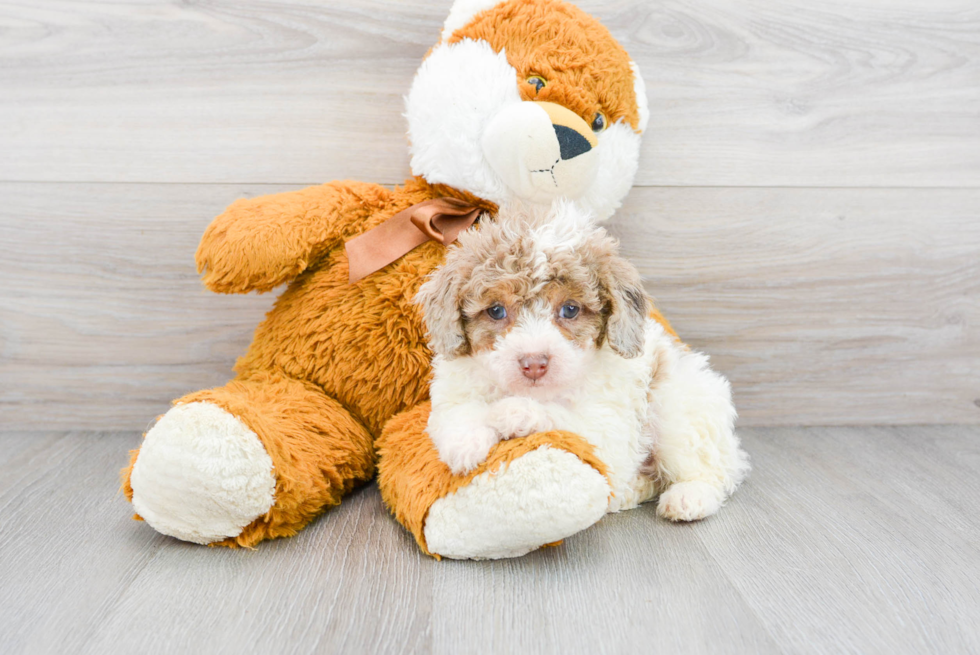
[(440, 219)]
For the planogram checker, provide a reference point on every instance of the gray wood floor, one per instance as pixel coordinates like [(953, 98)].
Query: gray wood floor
[(844, 540)]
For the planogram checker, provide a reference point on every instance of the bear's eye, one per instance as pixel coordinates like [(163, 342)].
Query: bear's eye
[(537, 82), (497, 312), (569, 310), (599, 122)]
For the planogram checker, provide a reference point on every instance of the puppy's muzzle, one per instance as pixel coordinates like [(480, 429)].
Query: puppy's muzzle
[(534, 367)]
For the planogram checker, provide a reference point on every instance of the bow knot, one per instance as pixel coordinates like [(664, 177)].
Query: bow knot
[(438, 219)]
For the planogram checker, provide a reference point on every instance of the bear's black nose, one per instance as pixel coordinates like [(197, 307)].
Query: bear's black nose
[(571, 143)]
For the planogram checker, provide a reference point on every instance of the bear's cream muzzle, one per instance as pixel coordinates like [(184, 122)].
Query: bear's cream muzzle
[(541, 150)]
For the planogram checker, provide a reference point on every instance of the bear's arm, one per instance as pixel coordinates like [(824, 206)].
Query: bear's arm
[(259, 243)]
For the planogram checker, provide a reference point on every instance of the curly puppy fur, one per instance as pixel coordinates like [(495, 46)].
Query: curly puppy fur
[(536, 329)]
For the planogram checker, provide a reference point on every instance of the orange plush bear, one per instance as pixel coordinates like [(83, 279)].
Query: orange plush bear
[(521, 101)]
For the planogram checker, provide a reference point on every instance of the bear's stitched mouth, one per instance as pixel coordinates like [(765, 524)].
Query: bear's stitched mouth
[(551, 171)]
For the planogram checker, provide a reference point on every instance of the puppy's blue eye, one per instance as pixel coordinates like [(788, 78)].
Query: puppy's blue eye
[(568, 310), (497, 312)]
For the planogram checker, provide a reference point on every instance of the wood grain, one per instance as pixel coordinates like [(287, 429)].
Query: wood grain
[(65, 538), (822, 306), (100, 297), (843, 540), (602, 591), (832, 545), (357, 584), (763, 93)]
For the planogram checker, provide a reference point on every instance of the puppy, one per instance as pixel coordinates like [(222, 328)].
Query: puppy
[(536, 328)]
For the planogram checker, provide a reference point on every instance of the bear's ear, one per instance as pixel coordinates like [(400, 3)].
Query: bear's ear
[(462, 12)]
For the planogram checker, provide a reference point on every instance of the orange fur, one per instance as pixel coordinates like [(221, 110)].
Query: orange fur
[(362, 344), (585, 68), (124, 486), (332, 361)]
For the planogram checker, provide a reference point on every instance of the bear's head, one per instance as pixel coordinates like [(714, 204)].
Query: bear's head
[(528, 101)]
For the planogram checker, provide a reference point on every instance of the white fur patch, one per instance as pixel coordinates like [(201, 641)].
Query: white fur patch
[(696, 426), (517, 416), (202, 475), (543, 497), (619, 154), (690, 501), (536, 333), (563, 228), (462, 434), (457, 91)]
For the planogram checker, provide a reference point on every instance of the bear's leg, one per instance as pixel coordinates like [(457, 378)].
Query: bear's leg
[(255, 459), (529, 493)]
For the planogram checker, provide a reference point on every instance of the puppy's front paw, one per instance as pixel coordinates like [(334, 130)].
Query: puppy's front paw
[(689, 501), (468, 449), (515, 416)]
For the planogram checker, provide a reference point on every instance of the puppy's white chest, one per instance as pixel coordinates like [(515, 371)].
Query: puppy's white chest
[(609, 412)]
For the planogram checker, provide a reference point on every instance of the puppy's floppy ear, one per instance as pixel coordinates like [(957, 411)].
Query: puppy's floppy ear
[(440, 301), (628, 306)]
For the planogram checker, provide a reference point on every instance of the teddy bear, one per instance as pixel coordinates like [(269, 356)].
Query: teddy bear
[(521, 101)]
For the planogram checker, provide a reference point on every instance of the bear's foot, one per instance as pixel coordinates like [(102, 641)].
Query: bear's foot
[(540, 498), (201, 475), (256, 459), (530, 492)]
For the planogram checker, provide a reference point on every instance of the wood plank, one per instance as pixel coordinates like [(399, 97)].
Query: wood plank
[(354, 582), (631, 579), (832, 547), (102, 318), (841, 541), (775, 93), (67, 547), (822, 306)]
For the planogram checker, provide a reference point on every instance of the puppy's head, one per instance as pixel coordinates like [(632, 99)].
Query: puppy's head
[(533, 306)]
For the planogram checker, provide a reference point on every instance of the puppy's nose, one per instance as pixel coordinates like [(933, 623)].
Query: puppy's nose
[(534, 366)]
